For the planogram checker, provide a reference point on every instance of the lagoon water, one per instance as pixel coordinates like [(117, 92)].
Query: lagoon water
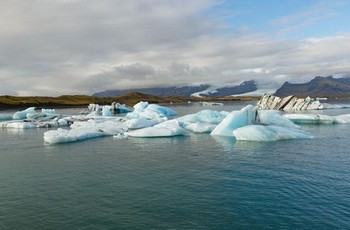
[(190, 182)]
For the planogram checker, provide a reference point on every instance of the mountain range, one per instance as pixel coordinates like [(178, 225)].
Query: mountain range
[(317, 87), (204, 90)]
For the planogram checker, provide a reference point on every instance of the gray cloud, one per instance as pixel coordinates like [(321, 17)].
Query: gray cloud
[(75, 47)]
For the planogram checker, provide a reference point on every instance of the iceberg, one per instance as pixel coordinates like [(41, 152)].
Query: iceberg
[(150, 111), (21, 115), (107, 111), (310, 118), (202, 122), (138, 123), (200, 127), (5, 117), (274, 117), (81, 130), (166, 129), (204, 116), (342, 119), (234, 120), (268, 133), (18, 125)]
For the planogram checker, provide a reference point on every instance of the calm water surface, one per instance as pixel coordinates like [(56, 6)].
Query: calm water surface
[(192, 182)]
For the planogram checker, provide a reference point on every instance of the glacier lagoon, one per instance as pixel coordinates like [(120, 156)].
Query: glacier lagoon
[(194, 181)]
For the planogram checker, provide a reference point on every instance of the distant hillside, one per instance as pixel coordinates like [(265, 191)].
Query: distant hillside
[(187, 91), (317, 87), (8, 102)]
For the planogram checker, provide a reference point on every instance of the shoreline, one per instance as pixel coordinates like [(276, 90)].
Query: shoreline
[(78, 101)]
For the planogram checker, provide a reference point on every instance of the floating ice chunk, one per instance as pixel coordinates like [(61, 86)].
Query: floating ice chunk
[(107, 111), (19, 125), (204, 116), (48, 111), (274, 117), (63, 135), (200, 127), (138, 123), (309, 118), (5, 117), (150, 111), (268, 133), (166, 129), (335, 106), (82, 130), (234, 120), (21, 115), (342, 119), (140, 106)]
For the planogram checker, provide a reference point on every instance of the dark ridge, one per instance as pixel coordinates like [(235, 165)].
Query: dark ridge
[(184, 91), (317, 87)]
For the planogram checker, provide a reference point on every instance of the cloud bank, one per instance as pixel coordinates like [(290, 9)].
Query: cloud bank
[(81, 47)]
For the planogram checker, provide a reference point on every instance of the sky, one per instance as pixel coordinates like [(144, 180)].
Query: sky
[(85, 46)]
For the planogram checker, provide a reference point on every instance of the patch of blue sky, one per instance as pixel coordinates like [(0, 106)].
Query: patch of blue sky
[(283, 19)]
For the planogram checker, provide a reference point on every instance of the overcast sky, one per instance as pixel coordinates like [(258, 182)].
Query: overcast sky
[(54, 47)]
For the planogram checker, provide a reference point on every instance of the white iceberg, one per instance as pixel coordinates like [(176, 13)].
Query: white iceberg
[(204, 121), (234, 120), (107, 111), (21, 115), (166, 129), (150, 111), (204, 116), (200, 127), (310, 118), (139, 123), (82, 130), (342, 119), (18, 125), (268, 133), (274, 117), (6, 117)]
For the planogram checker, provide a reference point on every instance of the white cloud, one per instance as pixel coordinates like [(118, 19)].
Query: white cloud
[(75, 47)]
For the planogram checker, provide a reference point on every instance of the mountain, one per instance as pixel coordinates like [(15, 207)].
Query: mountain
[(317, 87), (187, 91)]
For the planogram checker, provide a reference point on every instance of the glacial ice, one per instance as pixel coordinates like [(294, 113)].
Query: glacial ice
[(85, 130), (203, 121), (151, 120), (138, 123), (342, 119), (204, 116), (268, 133), (309, 118), (200, 127), (18, 125), (6, 117), (21, 115), (150, 111), (274, 117), (234, 120), (318, 118), (166, 129)]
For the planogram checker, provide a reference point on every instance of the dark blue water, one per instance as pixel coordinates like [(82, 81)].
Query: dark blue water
[(193, 182)]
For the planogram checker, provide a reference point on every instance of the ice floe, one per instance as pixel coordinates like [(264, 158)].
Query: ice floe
[(85, 130), (166, 129), (202, 122), (268, 133), (150, 111), (234, 120), (6, 117), (151, 120), (21, 115), (318, 118)]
